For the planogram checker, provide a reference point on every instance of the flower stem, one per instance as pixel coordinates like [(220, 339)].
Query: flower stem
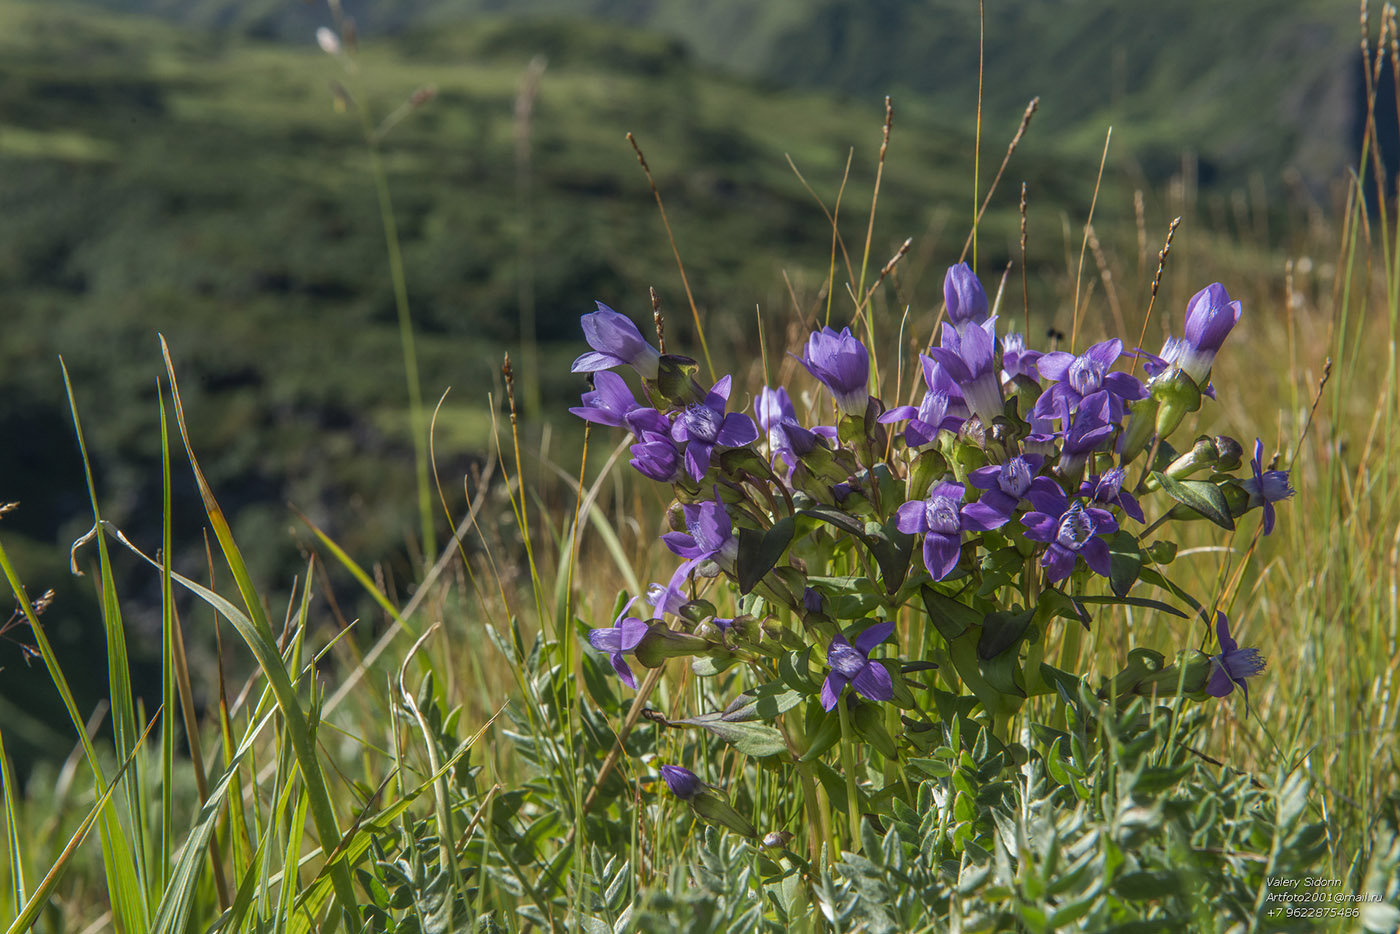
[(848, 765)]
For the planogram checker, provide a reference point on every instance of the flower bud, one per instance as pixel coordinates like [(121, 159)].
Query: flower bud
[(675, 380), (684, 783), (1231, 453), (1178, 395), (661, 643)]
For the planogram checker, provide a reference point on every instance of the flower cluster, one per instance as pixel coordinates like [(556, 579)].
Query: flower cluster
[(1014, 490)]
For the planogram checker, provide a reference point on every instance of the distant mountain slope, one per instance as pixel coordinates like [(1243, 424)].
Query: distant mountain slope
[(1251, 85)]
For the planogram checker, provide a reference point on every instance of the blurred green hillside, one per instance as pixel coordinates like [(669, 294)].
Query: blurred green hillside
[(1252, 85)]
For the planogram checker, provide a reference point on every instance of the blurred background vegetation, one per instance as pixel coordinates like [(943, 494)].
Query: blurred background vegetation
[(197, 168)]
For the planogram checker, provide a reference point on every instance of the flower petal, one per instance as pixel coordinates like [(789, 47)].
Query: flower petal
[(909, 518), (594, 361), (941, 554), (1058, 563), (873, 636), (736, 430), (981, 517), (620, 666), (831, 690), (874, 682), (1055, 365), (1222, 633), (1096, 555)]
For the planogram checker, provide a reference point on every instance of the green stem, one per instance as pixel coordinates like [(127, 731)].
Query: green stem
[(848, 765), (417, 417)]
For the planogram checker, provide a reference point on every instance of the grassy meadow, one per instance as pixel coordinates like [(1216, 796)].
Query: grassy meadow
[(250, 717)]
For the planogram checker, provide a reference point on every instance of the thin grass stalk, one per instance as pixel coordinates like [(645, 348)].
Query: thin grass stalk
[(130, 796), (167, 657), (17, 891)]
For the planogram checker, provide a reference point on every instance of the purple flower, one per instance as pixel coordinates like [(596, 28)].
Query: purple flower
[(964, 296), (1210, 317), (684, 783), (656, 456), (1016, 360), (851, 664), (1072, 530), (841, 363), (1266, 487), (703, 425), (1084, 375), (942, 408), (1172, 349), (778, 419), (939, 520), (970, 357), (622, 637), (709, 535), (1085, 432), (670, 597), (612, 403), (1233, 665), (1006, 485), (1108, 490), (615, 341)]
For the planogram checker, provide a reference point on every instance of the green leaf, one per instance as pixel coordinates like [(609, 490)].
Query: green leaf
[(1125, 562), (832, 516), (760, 551), (1200, 495), (1002, 631), (949, 617), (892, 550), (1136, 601), (716, 810), (752, 739), (764, 702)]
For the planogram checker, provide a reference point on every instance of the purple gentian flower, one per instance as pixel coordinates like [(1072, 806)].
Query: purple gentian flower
[(1108, 490), (942, 523), (1233, 665), (622, 637), (684, 783), (970, 357), (778, 419), (1172, 349), (1084, 375), (612, 403), (1006, 485), (615, 341), (1085, 432), (841, 363), (703, 425), (656, 456), (851, 664), (670, 597), (1266, 487), (942, 408), (1072, 530), (964, 296), (1016, 360), (710, 535), (1210, 317)]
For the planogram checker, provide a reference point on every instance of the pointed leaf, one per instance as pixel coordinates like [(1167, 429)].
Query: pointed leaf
[(760, 550), (1200, 495)]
